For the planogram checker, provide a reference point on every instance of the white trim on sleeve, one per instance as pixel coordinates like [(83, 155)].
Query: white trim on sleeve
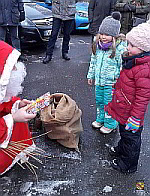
[(15, 106), (9, 122)]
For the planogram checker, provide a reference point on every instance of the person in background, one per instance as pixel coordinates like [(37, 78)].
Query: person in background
[(63, 13), (142, 11), (131, 98), (11, 14), (105, 68), (13, 114), (126, 8), (97, 11), (133, 13)]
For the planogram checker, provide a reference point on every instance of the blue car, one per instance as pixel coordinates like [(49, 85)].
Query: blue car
[(81, 17)]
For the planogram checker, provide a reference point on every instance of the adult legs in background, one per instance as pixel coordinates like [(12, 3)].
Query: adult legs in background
[(14, 37), (68, 27), (3, 33), (52, 40)]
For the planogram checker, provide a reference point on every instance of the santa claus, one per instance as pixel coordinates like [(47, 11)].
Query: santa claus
[(15, 139)]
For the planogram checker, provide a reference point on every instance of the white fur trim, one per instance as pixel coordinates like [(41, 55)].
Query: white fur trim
[(22, 156), (9, 122), (4, 80), (15, 107)]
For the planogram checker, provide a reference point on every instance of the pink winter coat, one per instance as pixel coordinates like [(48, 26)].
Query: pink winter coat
[(132, 92)]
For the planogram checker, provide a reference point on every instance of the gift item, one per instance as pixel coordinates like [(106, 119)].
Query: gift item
[(63, 118), (39, 104)]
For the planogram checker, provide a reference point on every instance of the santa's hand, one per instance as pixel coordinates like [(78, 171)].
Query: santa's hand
[(22, 116), (24, 102)]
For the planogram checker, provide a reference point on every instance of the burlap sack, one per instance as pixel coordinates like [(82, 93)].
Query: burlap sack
[(63, 118)]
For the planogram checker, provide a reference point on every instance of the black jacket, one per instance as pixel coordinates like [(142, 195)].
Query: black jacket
[(11, 12), (97, 11)]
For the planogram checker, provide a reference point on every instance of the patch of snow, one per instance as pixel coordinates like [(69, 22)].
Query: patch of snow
[(107, 189), (45, 187), (71, 155), (140, 192)]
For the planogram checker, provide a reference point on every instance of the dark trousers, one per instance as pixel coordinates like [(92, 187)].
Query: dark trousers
[(128, 148), (67, 28), (13, 30)]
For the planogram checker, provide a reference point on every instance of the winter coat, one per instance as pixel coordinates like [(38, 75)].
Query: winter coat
[(132, 92), (64, 9), (103, 69), (11, 11), (97, 11)]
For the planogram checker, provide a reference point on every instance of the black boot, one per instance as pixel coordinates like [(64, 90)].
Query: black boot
[(115, 165), (47, 59), (113, 151), (65, 56)]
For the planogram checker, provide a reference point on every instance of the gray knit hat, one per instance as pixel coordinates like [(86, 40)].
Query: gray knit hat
[(111, 25), (139, 36)]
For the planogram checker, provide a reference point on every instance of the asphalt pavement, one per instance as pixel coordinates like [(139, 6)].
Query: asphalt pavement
[(68, 172)]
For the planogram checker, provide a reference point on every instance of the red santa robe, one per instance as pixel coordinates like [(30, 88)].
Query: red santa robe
[(11, 131)]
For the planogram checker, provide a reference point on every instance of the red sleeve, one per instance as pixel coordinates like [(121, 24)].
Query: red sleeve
[(142, 98), (3, 130), (7, 106)]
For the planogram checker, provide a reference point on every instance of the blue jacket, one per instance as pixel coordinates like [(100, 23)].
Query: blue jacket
[(103, 69)]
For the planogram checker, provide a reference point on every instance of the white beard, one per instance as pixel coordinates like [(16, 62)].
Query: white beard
[(16, 78)]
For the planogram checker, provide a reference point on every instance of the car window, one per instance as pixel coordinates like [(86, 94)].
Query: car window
[(28, 1), (45, 1)]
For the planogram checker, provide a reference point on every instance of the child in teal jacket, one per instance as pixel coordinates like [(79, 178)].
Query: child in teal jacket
[(105, 68)]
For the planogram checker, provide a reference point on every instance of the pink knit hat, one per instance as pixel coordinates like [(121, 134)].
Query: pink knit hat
[(139, 36)]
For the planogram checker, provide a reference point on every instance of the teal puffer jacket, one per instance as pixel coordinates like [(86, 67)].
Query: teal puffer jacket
[(103, 69)]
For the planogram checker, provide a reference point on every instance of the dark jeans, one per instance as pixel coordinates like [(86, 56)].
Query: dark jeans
[(67, 28), (128, 148), (13, 35)]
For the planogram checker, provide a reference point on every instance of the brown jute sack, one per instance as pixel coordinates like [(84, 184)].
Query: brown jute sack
[(63, 118)]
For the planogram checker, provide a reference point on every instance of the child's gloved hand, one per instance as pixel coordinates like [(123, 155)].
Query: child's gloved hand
[(132, 124), (90, 81)]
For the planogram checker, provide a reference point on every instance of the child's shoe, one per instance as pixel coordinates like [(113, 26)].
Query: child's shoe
[(105, 130), (96, 124), (115, 166)]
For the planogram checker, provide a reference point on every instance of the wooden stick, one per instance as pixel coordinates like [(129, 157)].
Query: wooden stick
[(12, 158), (26, 145), (29, 168), (33, 137), (34, 172), (32, 153), (28, 153)]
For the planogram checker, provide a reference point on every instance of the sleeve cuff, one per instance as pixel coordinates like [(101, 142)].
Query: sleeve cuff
[(15, 106)]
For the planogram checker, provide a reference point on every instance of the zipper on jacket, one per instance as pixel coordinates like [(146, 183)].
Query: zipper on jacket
[(125, 97)]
